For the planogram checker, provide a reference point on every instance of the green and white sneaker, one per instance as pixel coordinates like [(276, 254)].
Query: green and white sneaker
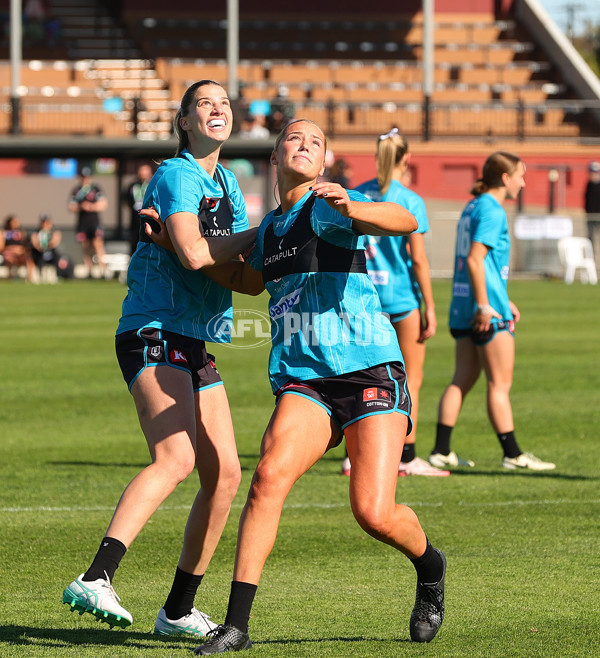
[(99, 599), (527, 461), (195, 623), (450, 460)]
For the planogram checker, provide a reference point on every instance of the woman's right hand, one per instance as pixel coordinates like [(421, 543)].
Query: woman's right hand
[(483, 318)]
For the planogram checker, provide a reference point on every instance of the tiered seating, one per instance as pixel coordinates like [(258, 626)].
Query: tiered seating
[(84, 90), (370, 69)]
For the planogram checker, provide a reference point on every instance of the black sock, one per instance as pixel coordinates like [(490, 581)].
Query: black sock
[(442, 439), (107, 560), (240, 604), (509, 444), (408, 452), (429, 566), (181, 597)]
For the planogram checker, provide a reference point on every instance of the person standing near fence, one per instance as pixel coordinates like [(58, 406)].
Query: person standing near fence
[(178, 393), (134, 195), (88, 200), (482, 317)]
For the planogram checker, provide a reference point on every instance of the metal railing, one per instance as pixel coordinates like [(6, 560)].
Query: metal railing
[(552, 120)]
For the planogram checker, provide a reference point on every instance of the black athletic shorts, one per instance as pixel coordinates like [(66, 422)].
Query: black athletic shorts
[(347, 398), (149, 347), (483, 337), (89, 229)]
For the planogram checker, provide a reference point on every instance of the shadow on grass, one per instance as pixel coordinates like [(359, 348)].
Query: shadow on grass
[(323, 640), (103, 464), (70, 637), (79, 464), (552, 475)]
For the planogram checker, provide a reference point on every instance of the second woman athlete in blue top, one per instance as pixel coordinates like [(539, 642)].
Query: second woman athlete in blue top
[(399, 268), (335, 366), (181, 402)]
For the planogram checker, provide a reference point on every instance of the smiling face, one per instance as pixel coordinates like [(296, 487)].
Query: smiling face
[(300, 150), (209, 114)]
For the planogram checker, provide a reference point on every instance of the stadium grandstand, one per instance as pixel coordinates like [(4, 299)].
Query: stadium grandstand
[(100, 81)]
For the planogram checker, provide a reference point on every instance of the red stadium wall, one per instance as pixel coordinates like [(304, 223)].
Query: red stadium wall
[(445, 175)]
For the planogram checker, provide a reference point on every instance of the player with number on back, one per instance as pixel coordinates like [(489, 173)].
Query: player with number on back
[(482, 317)]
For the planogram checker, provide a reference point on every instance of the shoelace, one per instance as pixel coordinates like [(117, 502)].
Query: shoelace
[(215, 631), (110, 587), (200, 615), (429, 603)]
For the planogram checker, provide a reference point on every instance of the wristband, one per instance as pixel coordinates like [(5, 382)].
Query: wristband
[(485, 309)]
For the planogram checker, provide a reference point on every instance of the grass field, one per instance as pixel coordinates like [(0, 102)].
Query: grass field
[(523, 559)]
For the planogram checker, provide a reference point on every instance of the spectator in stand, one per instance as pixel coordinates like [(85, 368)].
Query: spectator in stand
[(44, 244), (134, 196), (34, 18), (254, 127), (592, 203), (282, 110), (15, 250), (88, 201)]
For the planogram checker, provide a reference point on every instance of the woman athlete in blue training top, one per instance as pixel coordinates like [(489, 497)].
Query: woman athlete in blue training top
[(399, 268), (482, 318), (335, 367), (160, 343)]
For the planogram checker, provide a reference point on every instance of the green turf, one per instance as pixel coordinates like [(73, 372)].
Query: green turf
[(522, 548)]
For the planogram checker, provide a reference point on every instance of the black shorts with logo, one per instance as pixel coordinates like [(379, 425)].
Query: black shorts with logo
[(481, 338), (355, 395), (149, 347)]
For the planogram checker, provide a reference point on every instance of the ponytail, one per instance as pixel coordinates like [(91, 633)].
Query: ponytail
[(497, 164), (391, 148)]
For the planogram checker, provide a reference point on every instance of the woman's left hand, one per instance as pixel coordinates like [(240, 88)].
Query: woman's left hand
[(428, 325), (515, 311)]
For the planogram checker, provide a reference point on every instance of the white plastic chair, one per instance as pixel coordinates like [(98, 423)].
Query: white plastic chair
[(577, 255)]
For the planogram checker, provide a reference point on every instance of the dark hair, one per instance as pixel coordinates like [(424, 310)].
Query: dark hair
[(497, 164), (184, 108), (8, 220)]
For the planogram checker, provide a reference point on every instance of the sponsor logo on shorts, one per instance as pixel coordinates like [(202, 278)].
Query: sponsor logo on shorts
[(177, 356), (375, 393), (155, 351)]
